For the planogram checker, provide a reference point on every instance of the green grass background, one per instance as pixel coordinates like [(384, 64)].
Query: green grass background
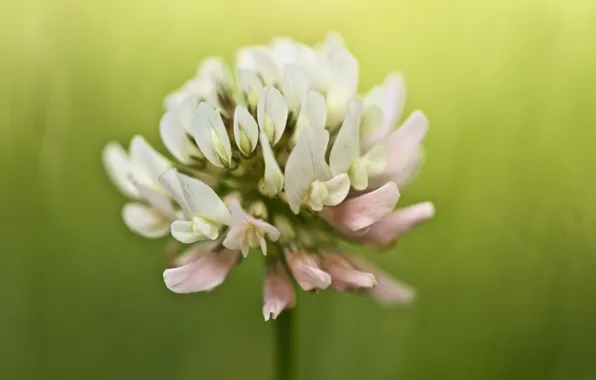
[(506, 273)]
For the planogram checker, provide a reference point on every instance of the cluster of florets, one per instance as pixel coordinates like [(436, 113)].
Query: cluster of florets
[(283, 157)]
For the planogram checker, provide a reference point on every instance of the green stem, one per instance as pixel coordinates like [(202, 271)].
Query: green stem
[(285, 343)]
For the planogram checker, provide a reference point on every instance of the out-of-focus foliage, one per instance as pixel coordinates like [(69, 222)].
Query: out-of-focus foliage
[(505, 273)]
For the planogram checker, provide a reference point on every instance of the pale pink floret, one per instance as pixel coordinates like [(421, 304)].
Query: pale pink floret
[(364, 210), (388, 290), (278, 291), (204, 270), (345, 276), (306, 270), (387, 230), (405, 150)]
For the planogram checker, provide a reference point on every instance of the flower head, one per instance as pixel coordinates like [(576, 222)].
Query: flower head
[(282, 156)]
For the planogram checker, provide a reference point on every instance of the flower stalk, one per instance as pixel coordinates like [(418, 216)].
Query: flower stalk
[(285, 352)]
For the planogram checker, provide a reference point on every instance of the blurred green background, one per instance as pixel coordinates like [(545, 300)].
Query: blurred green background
[(506, 273)]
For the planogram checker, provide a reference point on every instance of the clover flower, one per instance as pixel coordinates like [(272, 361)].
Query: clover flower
[(282, 157)]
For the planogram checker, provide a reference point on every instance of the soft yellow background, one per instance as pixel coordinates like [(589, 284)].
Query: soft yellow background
[(506, 273)]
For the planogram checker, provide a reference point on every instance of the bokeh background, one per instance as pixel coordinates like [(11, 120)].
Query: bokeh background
[(506, 273)]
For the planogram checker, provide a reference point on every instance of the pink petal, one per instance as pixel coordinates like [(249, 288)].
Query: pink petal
[(388, 291), (194, 252), (344, 276), (387, 230), (204, 273), (306, 271), (278, 291), (404, 146), (362, 211)]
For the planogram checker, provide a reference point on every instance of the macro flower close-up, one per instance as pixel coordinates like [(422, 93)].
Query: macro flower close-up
[(298, 190), (279, 159)]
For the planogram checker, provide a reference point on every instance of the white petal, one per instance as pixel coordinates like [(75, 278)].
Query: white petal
[(346, 148), (328, 193), (195, 197), (186, 112), (175, 138), (294, 86), (345, 73), (210, 135), (173, 99), (119, 169), (158, 201), (338, 188), (206, 227), (284, 51), (390, 99), (306, 164), (169, 180), (343, 86), (358, 174), (184, 232), (251, 85), (145, 221), (273, 181), (265, 66), (333, 43), (376, 160), (244, 58), (215, 71), (316, 196), (372, 121), (142, 155), (246, 130), (202, 200), (260, 60), (192, 89), (272, 113), (313, 113)]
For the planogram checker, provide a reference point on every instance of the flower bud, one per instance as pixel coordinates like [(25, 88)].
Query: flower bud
[(278, 292), (306, 271), (258, 210), (246, 131)]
